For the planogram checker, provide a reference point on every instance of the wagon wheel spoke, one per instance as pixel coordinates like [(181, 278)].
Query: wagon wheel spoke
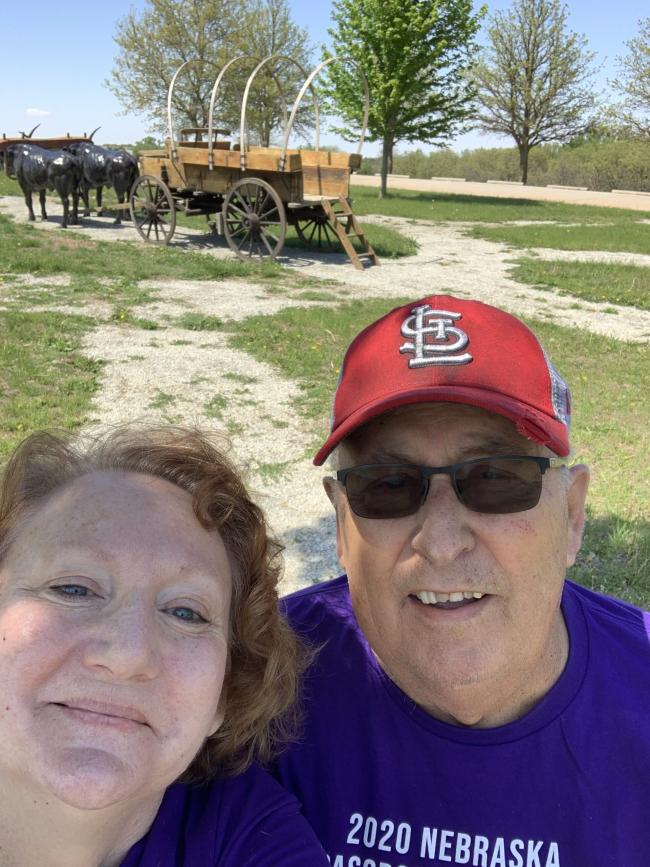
[(239, 243), (153, 210), (237, 210), (268, 246), (238, 230), (316, 232), (243, 240), (314, 226), (269, 224), (266, 214), (259, 205), (254, 219)]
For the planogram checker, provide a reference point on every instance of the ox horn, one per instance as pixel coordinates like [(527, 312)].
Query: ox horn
[(31, 132), (93, 132)]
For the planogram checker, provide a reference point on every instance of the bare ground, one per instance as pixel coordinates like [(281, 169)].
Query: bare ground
[(195, 376)]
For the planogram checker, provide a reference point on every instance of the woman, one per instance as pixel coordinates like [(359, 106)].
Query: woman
[(140, 644)]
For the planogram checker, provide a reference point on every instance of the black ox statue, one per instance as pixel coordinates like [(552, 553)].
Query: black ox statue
[(37, 170), (102, 167)]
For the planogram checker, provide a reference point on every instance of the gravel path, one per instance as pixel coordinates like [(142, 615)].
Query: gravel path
[(195, 376)]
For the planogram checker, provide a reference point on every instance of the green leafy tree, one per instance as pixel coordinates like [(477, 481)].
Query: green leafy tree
[(153, 42), (633, 82), (148, 143), (534, 77), (414, 54), (272, 31)]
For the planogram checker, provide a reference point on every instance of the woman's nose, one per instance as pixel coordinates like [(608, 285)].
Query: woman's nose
[(123, 644)]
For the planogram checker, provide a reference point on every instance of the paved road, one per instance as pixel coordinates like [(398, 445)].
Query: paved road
[(632, 201)]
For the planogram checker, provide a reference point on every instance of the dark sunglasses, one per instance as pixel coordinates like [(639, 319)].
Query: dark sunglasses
[(493, 485)]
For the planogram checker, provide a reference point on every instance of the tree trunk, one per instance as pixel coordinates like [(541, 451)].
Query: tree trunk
[(386, 163), (524, 150)]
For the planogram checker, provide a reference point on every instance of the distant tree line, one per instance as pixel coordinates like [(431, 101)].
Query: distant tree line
[(596, 164), (430, 77)]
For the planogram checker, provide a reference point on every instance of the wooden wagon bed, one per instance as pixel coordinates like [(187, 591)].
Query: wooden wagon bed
[(252, 193)]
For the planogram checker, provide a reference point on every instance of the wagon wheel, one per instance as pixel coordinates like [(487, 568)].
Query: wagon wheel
[(255, 223), (152, 209), (316, 231)]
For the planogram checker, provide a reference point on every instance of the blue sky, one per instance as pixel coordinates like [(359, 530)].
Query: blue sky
[(56, 57)]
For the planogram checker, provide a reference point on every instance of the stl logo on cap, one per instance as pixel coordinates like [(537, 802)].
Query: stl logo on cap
[(433, 330)]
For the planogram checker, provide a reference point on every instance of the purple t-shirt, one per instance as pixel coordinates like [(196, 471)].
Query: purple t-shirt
[(386, 785), (243, 821)]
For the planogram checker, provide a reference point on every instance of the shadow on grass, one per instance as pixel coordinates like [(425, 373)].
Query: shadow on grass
[(464, 199), (316, 544), (615, 558)]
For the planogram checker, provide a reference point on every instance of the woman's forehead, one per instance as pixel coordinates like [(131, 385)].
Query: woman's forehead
[(111, 506), (121, 524)]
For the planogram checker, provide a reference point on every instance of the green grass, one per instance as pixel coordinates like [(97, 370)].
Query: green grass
[(215, 406), (273, 472), (625, 237), (454, 207), (121, 292), (593, 281), (123, 316), (9, 187), (162, 400), (200, 322), (307, 345), (240, 377), (28, 250), (388, 243), (45, 381)]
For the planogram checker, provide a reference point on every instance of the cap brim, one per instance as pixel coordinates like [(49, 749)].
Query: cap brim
[(529, 421)]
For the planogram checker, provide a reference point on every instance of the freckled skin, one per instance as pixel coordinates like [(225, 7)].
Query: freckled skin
[(490, 661), (140, 565)]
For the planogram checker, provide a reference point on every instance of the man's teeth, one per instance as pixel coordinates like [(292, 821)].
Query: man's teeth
[(431, 598)]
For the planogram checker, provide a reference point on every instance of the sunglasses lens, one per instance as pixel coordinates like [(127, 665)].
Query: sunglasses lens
[(498, 486), (384, 491)]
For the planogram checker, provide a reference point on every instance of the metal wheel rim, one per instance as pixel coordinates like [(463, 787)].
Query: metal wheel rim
[(317, 233), (152, 210), (254, 220)]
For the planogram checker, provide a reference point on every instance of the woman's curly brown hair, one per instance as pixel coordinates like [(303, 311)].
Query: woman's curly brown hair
[(265, 658)]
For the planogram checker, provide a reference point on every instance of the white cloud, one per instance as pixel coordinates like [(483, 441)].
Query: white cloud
[(37, 112)]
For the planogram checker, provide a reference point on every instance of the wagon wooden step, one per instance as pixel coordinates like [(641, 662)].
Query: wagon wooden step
[(348, 228)]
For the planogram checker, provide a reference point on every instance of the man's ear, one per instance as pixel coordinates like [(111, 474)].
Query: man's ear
[(330, 486), (576, 497), (334, 493)]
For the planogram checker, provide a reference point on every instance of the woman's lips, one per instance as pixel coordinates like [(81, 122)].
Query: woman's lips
[(102, 713)]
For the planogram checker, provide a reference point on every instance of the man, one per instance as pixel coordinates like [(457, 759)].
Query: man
[(467, 704)]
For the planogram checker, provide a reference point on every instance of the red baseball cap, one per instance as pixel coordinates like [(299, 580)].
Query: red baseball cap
[(445, 349)]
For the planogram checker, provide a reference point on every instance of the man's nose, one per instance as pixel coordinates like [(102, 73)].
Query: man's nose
[(123, 644), (444, 528)]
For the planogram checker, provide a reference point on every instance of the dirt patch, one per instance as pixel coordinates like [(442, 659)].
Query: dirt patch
[(189, 376)]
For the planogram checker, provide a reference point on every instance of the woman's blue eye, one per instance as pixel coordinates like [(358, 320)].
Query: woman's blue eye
[(73, 590), (186, 614)]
